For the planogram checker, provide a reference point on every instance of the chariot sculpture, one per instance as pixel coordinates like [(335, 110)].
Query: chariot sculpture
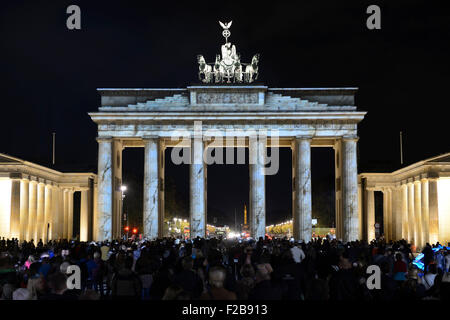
[(228, 67)]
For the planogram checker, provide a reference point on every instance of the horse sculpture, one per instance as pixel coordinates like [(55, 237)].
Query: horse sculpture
[(204, 70), (251, 70), (218, 70)]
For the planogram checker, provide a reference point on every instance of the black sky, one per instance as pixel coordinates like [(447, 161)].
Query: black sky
[(50, 75)]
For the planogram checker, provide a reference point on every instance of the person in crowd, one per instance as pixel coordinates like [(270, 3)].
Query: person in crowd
[(216, 290), (412, 289), (125, 283), (400, 268), (21, 294), (215, 269), (188, 279), (264, 289), (430, 276), (57, 283), (246, 283)]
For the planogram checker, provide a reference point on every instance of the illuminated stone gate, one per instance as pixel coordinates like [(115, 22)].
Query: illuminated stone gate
[(303, 118)]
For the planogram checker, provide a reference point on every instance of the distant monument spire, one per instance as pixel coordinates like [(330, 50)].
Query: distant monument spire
[(245, 214)]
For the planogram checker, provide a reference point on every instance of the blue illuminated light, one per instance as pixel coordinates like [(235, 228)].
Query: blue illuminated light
[(418, 260)]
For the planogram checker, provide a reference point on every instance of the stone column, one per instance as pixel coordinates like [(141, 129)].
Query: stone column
[(151, 187), (361, 218), (418, 213), (70, 214), (40, 211), (65, 205), (84, 215), (404, 209), (397, 213), (350, 188), (14, 229), (57, 214), (197, 189), (47, 213), (257, 196), (24, 202), (105, 189), (338, 188), (389, 215), (385, 213), (433, 211), (425, 213), (411, 217), (32, 211), (370, 209), (95, 215), (302, 218)]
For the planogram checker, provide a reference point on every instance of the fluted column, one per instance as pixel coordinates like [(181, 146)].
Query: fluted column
[(47, 213), (350, 188), (65, 205), (411, 217), (57, 214), (370, 214), (389, 216), (151, 187), (418, 213), (302, 218), (32, 211), (14, 229), (404, 209), (397, 213), (197, 189), (84, 215), (24, 202), (433, 211), (425, 213), (40, 211), (385, 213), (105, 189), (95, 215), (70, 214), (257, 196)]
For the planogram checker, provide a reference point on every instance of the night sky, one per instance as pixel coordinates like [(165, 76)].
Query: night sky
[(50, 75)]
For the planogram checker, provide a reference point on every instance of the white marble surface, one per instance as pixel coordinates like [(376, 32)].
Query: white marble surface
[(105, 190), (197, 190), (151, 188), (350, 189), (257, 196), (302, 218)]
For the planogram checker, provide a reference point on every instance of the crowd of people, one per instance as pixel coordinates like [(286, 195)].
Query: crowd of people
[(218, 269)]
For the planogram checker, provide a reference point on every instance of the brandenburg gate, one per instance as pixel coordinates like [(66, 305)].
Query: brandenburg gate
[(227, 101)]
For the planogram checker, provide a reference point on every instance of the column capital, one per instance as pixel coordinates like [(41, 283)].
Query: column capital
[(303, 137), (350, 138), (150, 137), (104, 139)]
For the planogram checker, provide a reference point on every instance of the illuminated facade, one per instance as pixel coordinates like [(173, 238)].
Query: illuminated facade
[(302, 117), (37, 202), (416, 202)]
